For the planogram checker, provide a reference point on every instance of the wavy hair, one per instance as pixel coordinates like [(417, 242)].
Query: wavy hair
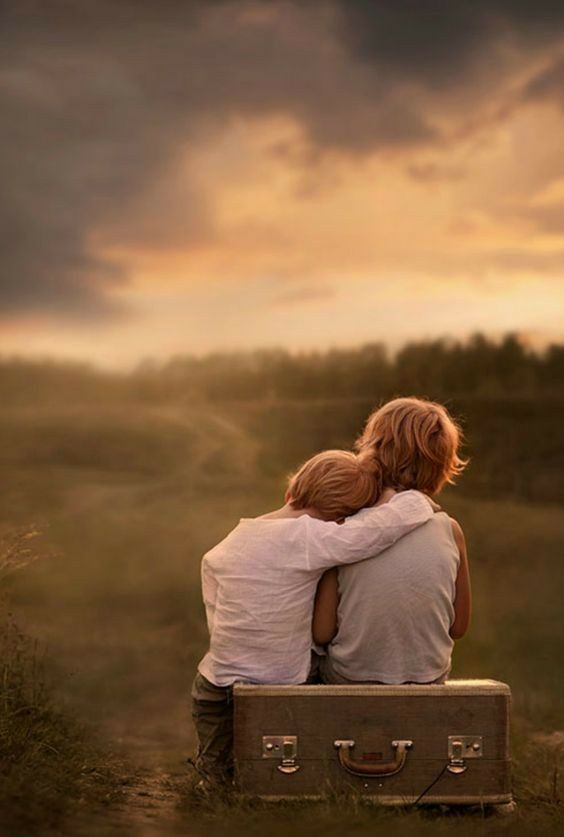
[(412, 443)]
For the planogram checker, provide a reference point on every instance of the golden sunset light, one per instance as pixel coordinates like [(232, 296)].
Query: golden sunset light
[(316, 194), (281, 395)]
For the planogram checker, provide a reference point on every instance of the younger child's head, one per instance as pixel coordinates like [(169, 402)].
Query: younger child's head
[(412, 443), (335, 483)]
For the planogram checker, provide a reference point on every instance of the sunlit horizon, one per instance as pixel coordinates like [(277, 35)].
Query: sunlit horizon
[(538, 344), (326, 192)]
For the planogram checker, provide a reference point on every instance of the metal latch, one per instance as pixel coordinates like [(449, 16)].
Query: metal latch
[(283, 747), (460, 748)]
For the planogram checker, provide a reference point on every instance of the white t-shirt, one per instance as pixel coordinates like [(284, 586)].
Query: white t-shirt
[(259, 585)]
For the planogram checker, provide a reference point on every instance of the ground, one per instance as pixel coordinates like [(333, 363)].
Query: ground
[(128, 502)]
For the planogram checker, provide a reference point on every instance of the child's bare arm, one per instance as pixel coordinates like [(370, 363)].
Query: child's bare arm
[(324, 624), (463, 594)]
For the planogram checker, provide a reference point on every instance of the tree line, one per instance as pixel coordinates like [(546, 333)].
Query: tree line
[(439, 369)]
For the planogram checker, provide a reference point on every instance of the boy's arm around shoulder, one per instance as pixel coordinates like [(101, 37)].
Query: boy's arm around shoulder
[(368, 532), (463, 590)]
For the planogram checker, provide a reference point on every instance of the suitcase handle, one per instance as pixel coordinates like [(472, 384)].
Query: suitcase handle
[(364, 768)]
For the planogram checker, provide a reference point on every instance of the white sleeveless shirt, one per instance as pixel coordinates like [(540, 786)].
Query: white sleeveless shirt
[(396, 609)]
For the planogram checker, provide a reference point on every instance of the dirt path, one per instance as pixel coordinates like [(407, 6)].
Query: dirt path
[(146, 805), (150, 803)]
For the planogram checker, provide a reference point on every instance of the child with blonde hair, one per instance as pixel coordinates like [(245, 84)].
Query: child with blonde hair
[(394, 620), (259, 584), (412, 443)]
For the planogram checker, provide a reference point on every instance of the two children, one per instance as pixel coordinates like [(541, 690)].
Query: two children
[(259, 584)]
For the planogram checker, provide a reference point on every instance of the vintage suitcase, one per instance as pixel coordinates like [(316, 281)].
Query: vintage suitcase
[(396, 744)]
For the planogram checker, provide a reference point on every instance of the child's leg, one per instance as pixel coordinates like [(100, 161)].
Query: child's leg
[(212, 712)]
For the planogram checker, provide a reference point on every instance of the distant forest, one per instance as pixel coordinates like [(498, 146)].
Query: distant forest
[(439, 369), (287, 406)]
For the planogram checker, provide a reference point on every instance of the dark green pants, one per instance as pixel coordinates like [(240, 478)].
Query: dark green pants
[(212, 713)]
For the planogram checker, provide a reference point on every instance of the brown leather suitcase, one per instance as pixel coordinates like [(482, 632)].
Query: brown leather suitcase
[(395, 744)]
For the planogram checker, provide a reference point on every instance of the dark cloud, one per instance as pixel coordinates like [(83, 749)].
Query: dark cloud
[(101, 99), (86, 144), (439, 42)]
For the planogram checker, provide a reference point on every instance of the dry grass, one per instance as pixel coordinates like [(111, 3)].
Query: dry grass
[(47, 764), (46, 761), (19, 549), (118, 605)]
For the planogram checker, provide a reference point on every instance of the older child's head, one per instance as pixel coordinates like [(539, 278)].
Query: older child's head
[(412, 443), (335, 483)]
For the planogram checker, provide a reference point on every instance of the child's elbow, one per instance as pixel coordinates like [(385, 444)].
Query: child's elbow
[(323, 635), (459, 629)]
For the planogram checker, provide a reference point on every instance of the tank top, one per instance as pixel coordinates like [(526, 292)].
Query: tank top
[(396, 609)]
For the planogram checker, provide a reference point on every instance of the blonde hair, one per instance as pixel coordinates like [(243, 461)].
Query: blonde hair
[(335, 483), (412, 443)]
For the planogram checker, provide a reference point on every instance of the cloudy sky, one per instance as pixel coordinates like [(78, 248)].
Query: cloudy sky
[(193, 175)]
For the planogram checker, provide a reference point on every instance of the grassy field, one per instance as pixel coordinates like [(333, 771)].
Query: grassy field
[(130, 499)]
